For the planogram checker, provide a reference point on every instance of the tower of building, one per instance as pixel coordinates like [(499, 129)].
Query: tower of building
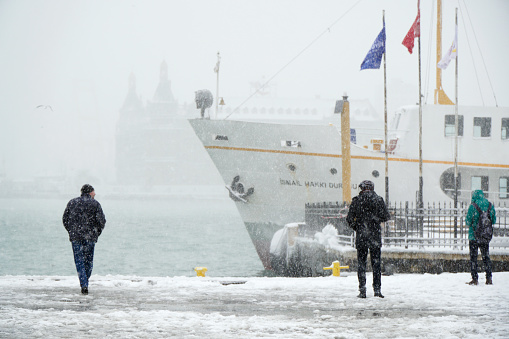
[(129, 148)]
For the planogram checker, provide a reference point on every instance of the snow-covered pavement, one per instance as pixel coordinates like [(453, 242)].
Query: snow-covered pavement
[(416, 306)]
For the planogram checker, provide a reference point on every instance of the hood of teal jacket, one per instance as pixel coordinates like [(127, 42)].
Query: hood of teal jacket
[(478, 197)]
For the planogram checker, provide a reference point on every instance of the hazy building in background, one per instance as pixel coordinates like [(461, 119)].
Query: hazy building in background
[(155, 145)]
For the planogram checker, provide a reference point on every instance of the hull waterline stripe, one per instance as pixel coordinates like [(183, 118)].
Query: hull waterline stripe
[(325, 155)]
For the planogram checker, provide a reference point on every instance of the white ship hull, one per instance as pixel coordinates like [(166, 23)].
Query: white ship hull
[(291, 165)]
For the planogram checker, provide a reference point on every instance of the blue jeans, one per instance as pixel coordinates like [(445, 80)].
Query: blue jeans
[(84, 260), (485, 252)]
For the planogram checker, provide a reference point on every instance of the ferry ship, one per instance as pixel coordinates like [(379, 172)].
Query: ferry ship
[(273, 169)]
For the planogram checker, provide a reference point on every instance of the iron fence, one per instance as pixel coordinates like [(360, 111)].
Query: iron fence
[(437, 225)]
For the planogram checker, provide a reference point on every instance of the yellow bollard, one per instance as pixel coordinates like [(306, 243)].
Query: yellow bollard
[(200, 271), (336, 268)]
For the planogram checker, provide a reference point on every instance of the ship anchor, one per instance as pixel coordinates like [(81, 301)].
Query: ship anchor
[(237, 190)]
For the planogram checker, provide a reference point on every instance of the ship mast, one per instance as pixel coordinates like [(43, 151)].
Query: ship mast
[(440, 97), (216, 69)]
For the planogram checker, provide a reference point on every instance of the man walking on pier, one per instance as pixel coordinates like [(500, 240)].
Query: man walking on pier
[(479, 210), (365, 214), (84, 220)]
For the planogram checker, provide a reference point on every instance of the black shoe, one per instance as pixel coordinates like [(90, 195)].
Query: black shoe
[(362, 294), (473, 282), (84, 290), (379, 294), (489, 281)]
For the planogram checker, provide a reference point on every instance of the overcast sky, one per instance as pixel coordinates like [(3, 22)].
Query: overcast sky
[(77, 56)]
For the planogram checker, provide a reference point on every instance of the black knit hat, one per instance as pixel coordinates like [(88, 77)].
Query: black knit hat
[(367, 185), (87, 189)]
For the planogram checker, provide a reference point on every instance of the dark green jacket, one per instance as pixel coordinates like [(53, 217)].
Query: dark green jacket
[(472, 219)]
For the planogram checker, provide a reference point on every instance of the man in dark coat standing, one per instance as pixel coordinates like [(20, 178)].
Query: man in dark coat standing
[(365, 214), (84, 220)]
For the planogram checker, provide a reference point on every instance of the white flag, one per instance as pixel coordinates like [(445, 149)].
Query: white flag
[(216, 69), (451, 53)]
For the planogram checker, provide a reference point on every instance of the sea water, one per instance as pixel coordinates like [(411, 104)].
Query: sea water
[(142, 237)]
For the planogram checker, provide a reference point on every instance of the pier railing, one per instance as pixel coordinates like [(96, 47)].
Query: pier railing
[(435, 226)]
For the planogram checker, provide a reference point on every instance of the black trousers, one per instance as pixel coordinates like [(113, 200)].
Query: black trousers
[(485, 252), (375, 254)]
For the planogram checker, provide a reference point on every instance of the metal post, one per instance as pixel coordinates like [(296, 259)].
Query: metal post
[(385, 127), (345, 151), (420, 198), (456, 143), (406, 224), (216, 69)]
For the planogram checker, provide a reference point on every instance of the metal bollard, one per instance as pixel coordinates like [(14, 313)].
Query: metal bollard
[(336, 268), (200, 271)]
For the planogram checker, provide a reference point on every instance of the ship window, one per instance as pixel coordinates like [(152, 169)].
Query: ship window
[(504, 188), (353, 136), (480, 183), (505, 129), (395, 121), (482, 127), (290, 143), (447, 183), (449, 125), (220, 137)]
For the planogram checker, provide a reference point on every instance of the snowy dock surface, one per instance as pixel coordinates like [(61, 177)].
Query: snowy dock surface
[(416, 306)]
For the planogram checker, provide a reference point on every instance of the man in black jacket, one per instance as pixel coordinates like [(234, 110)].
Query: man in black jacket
[(365, 214), (84, 220)]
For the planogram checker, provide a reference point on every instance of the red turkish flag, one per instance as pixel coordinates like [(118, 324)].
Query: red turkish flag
[(414, 32)]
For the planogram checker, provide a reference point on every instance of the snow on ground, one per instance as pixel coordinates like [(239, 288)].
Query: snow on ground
[(416, 306)]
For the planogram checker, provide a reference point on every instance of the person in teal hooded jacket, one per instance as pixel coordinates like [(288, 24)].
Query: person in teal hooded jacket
[(472, 220)]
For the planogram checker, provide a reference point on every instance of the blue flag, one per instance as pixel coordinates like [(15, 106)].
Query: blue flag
[(374, 56)]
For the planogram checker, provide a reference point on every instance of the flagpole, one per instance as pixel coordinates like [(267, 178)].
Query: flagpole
[(372, 61), (385, 126), (217, 80), (456, 138), (420, 198)]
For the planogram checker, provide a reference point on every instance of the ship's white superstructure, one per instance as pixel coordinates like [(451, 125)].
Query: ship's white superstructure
[(276, 168)]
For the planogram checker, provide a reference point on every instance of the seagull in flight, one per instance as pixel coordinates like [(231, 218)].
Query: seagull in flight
[(45, 107)]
